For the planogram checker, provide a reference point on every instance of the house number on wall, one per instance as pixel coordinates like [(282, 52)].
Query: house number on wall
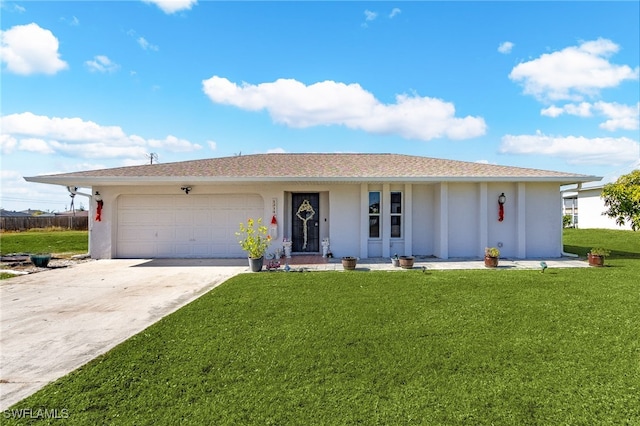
[(305, 213)]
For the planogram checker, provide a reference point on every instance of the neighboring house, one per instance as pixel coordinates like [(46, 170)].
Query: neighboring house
[(367, 205), (8, 213), (591, 208), (570, 207)]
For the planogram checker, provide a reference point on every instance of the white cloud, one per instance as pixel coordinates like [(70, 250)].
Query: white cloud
[(30, 49), (174, 144), (574, 149), (582, 109), (369, 15), (7, 144), (505, 47), (12, 7), (212, 145), (626, 117), (276, 151), (574, 72), (173, 6), (101, 63), (395, 12), (297, 105), (73, 21), (78, 138), (142, 42), (10, 174), (35, 145), (552, 111)]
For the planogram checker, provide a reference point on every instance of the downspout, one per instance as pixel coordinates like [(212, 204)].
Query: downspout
[(562, 252), (73, 190)]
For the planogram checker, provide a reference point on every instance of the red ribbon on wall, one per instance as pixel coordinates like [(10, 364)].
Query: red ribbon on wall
[(500, 212), (99, 210)]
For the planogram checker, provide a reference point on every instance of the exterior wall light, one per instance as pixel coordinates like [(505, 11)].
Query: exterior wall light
[(501, 200), (186, 189)]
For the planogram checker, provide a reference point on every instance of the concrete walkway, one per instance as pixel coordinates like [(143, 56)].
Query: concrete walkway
[(383, 264), (53, 322)]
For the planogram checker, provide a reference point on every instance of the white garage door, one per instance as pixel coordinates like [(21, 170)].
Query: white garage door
[(151, 226)]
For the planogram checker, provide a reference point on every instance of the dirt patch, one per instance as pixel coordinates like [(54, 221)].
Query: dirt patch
[(20, 264)]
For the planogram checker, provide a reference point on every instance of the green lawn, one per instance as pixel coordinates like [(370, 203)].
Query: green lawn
[(439, 348), (59, 242)]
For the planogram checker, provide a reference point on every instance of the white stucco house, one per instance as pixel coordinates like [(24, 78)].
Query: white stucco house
[(366, 205), (587, 207)]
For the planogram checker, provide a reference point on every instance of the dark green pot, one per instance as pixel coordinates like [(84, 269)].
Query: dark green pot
[(40, 260)]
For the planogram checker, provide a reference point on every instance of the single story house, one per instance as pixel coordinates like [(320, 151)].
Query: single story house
[(587, 209), (363, 205)]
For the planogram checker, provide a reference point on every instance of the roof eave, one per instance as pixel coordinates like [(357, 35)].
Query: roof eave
[(86, 181)]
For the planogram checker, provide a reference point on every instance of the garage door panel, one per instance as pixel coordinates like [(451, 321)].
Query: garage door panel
[(183, 226), (133, 249), (133, 233), (202, 234)]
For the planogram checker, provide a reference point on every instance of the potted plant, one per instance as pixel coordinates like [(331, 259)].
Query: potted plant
[(349, 263), (40, 260), (596, 256), (406, 262), (254, 238), (395, 260), (491, 255)]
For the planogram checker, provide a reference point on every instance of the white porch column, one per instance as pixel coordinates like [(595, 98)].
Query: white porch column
[(364, 220), (444, 220), (521, 220), (483, 237), (407, 212), (385, 220)]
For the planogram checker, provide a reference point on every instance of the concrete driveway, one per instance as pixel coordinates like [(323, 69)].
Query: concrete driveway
[(56, 321)]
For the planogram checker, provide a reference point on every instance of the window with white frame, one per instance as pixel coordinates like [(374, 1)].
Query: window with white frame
[(374, 214), (396, 214)]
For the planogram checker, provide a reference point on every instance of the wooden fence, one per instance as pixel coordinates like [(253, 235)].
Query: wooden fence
[(76, 223)]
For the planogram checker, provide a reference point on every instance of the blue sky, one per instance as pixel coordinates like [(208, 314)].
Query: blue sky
[(87, 85)]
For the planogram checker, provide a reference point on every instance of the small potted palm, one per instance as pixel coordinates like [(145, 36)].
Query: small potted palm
[(491, 256), (596, 256), (254, 238)]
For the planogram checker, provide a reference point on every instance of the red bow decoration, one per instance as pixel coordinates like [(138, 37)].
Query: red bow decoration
[(99, 210)]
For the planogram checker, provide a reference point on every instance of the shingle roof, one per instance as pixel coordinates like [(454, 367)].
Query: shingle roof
[(7, 213), (313, 167)]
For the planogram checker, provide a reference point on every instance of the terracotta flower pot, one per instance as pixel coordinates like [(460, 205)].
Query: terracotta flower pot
[(595, 260), (406, 262), (490, 262), (349, 263)]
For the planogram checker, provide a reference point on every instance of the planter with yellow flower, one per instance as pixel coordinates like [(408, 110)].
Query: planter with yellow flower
[(254, 238)]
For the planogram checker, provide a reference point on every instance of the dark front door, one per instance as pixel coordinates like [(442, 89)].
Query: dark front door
[(305, 219)]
